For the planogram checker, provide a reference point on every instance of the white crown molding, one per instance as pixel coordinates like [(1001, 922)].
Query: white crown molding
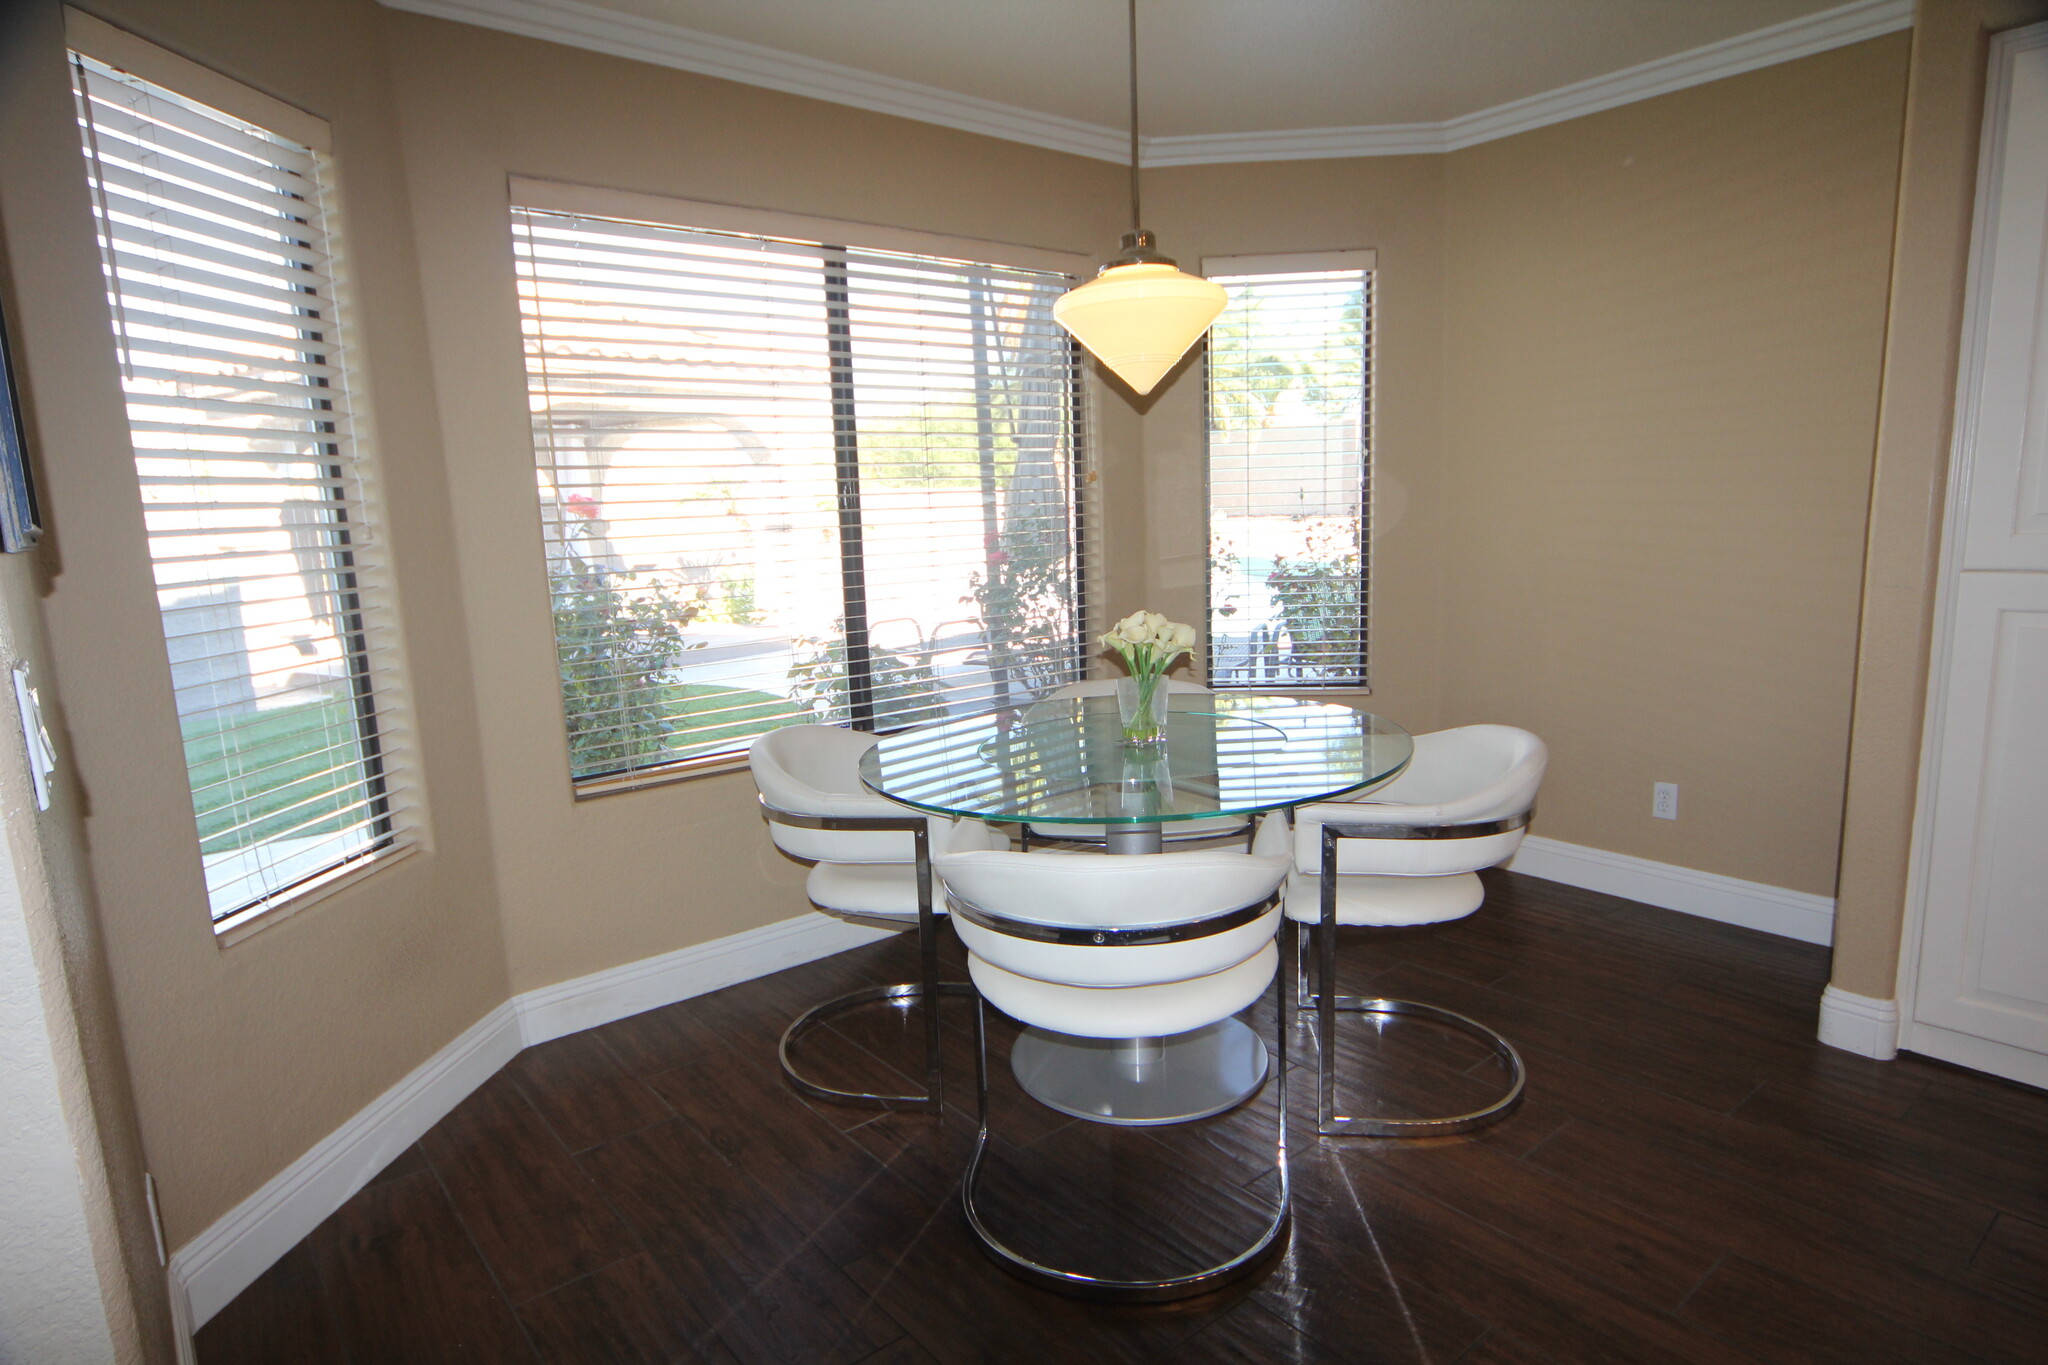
[(1296, 144), (207, 1272), (1731, 900), (1789, 41), (576, 24)]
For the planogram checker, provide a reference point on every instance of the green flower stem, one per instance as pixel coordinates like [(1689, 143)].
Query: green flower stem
[(1147, 665)]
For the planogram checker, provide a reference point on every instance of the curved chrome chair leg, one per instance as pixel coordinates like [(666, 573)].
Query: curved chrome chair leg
[(1081, 1285), (1327, 1006), (934, 1096), (929, 988)]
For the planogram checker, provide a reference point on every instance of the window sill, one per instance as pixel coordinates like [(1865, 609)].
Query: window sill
[(688, 770), (243, 924)]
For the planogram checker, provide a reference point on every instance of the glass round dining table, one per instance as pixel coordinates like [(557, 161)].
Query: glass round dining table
[(1064, 763)]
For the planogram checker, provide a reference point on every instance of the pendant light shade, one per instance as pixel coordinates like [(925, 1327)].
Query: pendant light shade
[(1142, 313), (1140, 319)]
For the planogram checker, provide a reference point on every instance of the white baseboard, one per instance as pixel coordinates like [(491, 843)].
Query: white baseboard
[(182, 1326), (246, 1241), (587, 1001), (207, 1272), (1862, 1024), (1753, 905)]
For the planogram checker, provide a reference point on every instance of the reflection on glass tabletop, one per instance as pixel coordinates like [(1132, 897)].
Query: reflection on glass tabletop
[(1064, 760)]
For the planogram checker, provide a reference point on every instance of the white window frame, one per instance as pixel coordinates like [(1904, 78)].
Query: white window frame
[(1364, 259), (562, 197), (373, 586)]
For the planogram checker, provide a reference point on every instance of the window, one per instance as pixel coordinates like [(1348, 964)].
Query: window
[(219, 280), (1290, 471), (789, 480)]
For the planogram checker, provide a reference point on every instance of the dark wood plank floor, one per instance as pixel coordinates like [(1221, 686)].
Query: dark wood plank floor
[(1692, 1178)]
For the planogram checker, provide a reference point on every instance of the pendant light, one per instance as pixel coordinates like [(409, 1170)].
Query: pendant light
[(1142, 312)]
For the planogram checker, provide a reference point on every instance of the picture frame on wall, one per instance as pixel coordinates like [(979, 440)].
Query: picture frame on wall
[(20, 518)]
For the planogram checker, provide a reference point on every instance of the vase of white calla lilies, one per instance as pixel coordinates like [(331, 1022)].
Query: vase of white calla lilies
[(1148, 644)]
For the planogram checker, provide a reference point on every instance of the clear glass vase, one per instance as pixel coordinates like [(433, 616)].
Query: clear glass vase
[(1141, 706)]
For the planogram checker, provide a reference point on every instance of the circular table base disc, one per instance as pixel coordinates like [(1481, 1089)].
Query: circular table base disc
[(1192, 1076)]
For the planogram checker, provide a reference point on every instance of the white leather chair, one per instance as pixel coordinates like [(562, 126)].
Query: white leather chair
[(872, 861), (1133, 947), (1409, 853), (1175, 831)]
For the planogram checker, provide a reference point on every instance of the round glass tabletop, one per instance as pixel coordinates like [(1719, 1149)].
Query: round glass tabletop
[(1063, 761)]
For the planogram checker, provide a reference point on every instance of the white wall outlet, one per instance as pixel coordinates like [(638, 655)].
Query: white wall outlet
[(1664, 801)]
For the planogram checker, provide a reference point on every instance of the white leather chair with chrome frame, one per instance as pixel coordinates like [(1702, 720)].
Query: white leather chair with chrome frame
[(1123, 947), (1176, 831), (872, 861), (1409, 853)]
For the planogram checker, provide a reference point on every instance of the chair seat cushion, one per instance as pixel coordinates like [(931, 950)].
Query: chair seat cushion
[(1126, 1011), (1126, 965), (1397, 857), (1387, 901), (876, 890)]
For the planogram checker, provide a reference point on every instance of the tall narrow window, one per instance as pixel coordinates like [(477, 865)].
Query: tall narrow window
[(1290, 472), (786, 480), (220, 286)]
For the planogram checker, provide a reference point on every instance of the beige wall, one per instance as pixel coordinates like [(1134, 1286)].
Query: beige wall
[(1663, 329), (588, 885), (49, 848), (1930, 256), (1698, 329), (243, 1056), (1394, 205)]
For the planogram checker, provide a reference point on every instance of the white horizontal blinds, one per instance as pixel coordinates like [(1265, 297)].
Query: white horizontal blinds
[(1289, 394), (770, 472), (218, 284), (962, 395)]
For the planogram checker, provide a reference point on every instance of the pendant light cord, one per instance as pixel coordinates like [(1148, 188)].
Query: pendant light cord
[(1137, 220)]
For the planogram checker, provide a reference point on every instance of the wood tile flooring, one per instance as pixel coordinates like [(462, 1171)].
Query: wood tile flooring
[(1691, 1179)]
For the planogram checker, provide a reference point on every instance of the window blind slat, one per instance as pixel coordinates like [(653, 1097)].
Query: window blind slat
[(1289, 408), (790, 482), (227, 141), (239, 415)]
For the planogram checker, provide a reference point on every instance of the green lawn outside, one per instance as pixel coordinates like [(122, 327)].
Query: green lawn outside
[(280, 758), (742, 714)]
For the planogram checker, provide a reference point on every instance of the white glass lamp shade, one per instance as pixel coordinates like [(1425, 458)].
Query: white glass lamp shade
[(1140, 319)]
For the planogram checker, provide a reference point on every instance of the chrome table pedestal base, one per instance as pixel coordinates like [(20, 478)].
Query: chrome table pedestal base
[(1142, 1081)]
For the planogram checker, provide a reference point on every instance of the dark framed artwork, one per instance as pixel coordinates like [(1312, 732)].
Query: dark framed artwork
[(20, 520)]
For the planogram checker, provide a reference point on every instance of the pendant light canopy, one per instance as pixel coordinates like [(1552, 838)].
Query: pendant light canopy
[(1140, 315)]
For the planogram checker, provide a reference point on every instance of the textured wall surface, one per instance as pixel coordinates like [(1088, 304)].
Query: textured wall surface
[(1664, 325)]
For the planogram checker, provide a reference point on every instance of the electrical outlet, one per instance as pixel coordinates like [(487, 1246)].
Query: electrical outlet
[(1664, 801)]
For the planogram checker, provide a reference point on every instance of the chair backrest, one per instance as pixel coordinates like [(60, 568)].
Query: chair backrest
[(1470, 775), (815, 770), (1088, 891), (1106, 687), (1475, 772)]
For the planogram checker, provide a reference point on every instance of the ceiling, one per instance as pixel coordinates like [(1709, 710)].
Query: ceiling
[(1214, 74)]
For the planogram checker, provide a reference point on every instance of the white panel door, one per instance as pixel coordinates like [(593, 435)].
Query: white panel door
[(2004, 434), (1984, 957), (1976, 971)]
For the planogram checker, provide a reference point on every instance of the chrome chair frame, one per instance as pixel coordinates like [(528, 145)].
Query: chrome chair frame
[(1327, 1004), (928, 988), (1077, 1283)]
